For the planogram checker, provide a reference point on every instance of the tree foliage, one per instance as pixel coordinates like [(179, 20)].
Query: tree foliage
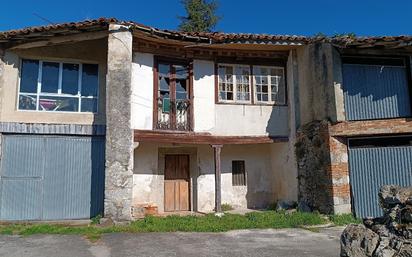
[(200, 16)]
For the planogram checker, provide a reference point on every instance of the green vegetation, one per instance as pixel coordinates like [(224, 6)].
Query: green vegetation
[(207, 223), (349, 35), (227, 207), (320, 34), (200, 16), (344, 219), (96, 220)]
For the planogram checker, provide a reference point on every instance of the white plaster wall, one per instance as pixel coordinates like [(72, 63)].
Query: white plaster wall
[(204, 95), (283, 159), (251, 120), (218, 119), (148, 184), (232, 119), (260, 191), (142, 91), (284, 171)]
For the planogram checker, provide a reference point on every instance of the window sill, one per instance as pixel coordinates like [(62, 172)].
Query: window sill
[(251, 104), (62, 112), (171, 131)]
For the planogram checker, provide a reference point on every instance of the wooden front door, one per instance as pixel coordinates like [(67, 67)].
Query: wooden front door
[(177, 178)]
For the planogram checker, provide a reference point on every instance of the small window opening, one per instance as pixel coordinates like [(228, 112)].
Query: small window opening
[(238, 173)]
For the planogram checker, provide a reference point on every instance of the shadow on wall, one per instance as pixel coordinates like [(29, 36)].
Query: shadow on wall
[(256, 198), (97, 176), (278, 116)]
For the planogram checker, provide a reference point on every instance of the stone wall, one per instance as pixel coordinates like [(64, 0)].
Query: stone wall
[(387, 236), (119, 134), (323, 170), (313, 158)]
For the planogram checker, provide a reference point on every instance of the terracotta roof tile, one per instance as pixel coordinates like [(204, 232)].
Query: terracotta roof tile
[(87, 24), (213, 37)]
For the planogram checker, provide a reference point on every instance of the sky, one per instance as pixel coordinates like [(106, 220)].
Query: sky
[(298, 17)]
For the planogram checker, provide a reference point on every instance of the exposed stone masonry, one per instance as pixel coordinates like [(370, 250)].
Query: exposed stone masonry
[(323, 170), (312, 154), (387, 236), (119, 135)]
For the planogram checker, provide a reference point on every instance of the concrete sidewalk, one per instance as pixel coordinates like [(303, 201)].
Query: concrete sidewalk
[(242, 243)]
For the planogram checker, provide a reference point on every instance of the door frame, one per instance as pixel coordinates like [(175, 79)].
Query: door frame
[(193, 172), (172, 61), (188, 181)]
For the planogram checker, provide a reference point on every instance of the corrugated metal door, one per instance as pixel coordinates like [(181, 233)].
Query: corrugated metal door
[(375, 92), (373, 167), (51, 177)]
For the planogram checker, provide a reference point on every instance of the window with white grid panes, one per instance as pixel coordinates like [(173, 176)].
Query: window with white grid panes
[(269, 85), (234, 83)]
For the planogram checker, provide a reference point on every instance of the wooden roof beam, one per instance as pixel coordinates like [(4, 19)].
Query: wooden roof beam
[(58, 40)]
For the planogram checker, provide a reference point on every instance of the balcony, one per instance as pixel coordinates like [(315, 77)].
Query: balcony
[(173, 114)]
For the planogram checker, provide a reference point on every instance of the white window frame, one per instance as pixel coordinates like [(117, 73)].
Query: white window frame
[(59, 93), (235, 100), (270, 100)]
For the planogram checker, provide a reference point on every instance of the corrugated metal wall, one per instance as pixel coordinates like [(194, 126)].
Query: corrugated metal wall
[(375, 92), (51, 177), (373, 167)]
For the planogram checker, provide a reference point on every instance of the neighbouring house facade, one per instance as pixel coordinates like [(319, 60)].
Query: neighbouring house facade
[(113, 117)]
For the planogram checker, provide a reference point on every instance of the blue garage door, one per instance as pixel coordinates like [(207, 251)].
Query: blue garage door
[(51, 177), (376, 91), (374, 166)]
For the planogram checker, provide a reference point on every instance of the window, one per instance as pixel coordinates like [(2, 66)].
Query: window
[(238, 173), (270, 85), (235, 83), (173, 101), (58, 87)]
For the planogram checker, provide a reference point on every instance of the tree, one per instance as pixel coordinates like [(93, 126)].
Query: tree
[(201, 16)]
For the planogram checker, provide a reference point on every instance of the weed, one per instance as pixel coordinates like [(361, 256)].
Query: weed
[(227, 207), (96, 219)]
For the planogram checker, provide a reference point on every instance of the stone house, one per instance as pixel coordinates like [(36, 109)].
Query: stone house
[(112, 117)]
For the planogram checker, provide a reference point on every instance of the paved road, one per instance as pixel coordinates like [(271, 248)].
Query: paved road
[(242, 243)]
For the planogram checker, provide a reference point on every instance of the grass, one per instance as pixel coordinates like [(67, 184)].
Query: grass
[(207, 223), (344, 219)]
